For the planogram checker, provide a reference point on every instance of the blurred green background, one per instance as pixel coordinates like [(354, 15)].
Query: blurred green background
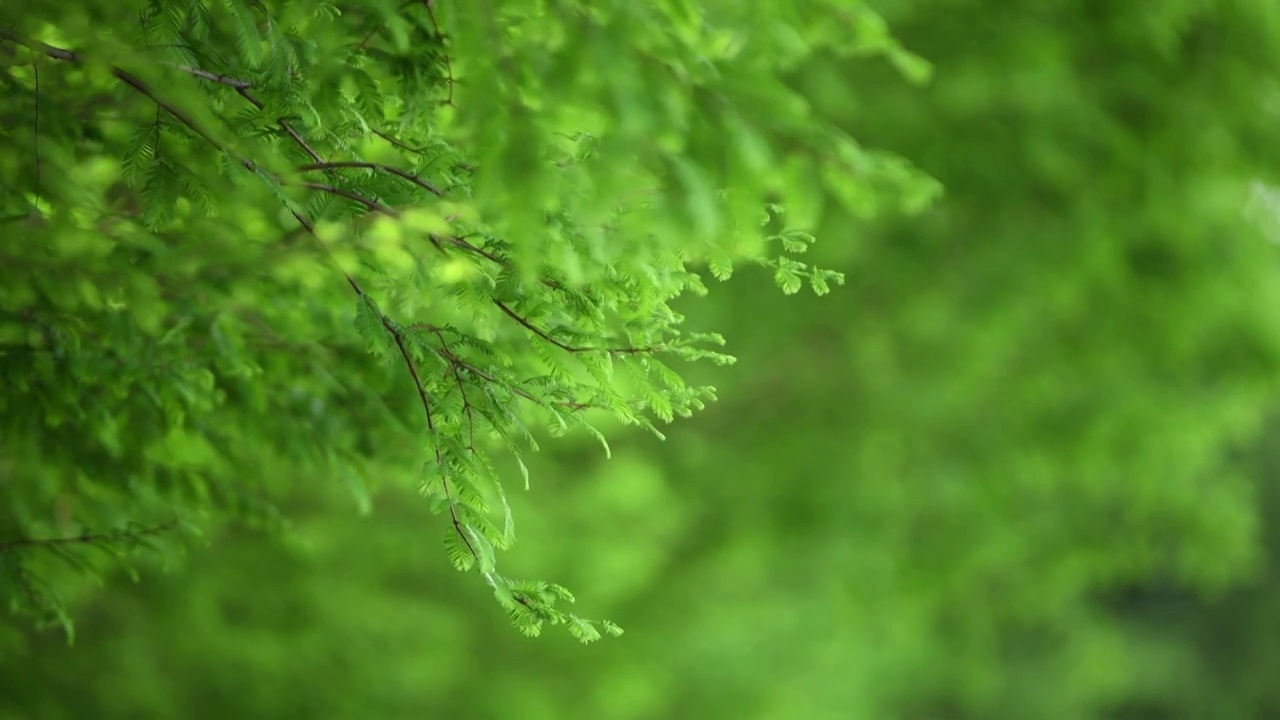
[(1021, 466)]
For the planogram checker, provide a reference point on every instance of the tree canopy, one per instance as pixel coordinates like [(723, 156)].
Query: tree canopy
[(257, 243)]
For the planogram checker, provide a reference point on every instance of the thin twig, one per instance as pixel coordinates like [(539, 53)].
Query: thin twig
[(85, 538), (563, 346), (396, 334), (465, 167), (457, 361), (120, 74), (243, 91), (371, 204), (448, 64), (398, 337), (515, 389), (375, 166), (35, 144), (462, 243), (462, 390), (54, 52), (536, 331), (378, 27), (399, 144), (214, 77), (297, 138)]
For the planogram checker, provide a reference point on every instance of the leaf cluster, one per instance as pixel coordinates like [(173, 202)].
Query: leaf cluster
[(511, 197)]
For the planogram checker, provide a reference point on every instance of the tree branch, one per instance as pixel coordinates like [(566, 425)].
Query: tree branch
[(469, 247), (397, 143), (371, 204), (125, 77), (430, 5), (462, 390), (569, 348), (213, 77), (375, 166), (515, 389), (86, 538)]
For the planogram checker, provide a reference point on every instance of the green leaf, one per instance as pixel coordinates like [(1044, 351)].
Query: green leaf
[(483, 549), (788, 280), (456, 548), (796, 241), (584, 630)]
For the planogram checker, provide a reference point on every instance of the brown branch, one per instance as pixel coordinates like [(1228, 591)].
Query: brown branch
[(422, 151), (462, 390), (568, 348), (373, 205), (398, 337), (533, 329), (375, 166), (54, 52), (378, 27), (242, 89), (395, 333), (628, 350), (214, 77), (35, 144), (138, 85), (125, 77), (86, 538), (513, 388), (469, 247), (460, 242), (297, 138), (399, 144), (368, 36), (430, 5), (128, 79), (457, 361)]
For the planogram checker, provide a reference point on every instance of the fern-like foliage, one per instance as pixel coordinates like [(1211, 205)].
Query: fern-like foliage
[(252, 240)]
